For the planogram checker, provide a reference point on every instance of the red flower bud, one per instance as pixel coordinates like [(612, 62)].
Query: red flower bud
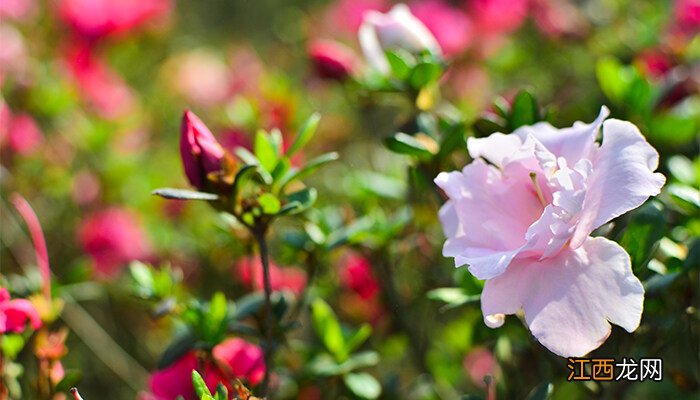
[(332, 60), (200, 152)]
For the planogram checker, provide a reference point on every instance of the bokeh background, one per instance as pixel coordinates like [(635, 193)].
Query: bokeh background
[(92, 98)]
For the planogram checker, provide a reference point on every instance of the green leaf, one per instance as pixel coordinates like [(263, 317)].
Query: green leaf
[(305, 134), (452, 139), (178, 348), (524, 111), (614, 79), (199, 386), (543, 391), (246, 156), (645, 229), (682, 169), (11, 344), (424, 74), (248, 305), (299, 201), (309, 168), (363, 385), (453, 297), (487, 125), (215, 317), (265, 151), (142, 278), (184, 194), (362, 359), (221, 392), (402, 143), (401, 63), (269, 203), (359, 337), (328, 329)]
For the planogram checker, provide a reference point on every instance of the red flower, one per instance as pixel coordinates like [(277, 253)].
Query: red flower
[(100, 85), (112, 238), (95, 19), (332, 60), (357, 275), (200, 152), (250, 272), (233, 358), (14, 314)]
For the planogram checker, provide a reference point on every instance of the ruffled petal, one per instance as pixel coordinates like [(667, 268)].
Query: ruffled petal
[(487, 217), (496, 148), (572, 143), (623, 177), (569, 299)]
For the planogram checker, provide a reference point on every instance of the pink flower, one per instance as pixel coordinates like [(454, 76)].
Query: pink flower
[(522, 222), (201, 76), (498, 16), (201, 153), (397, 29), (235, 358), (112, 238), (348, 14), (687, 13), (99, 85), (250, 271), (357, 275), (17, 9), (332, 60), (14, 314), (478, 364), (452, 27), (24, 135), (655, 63), (94, 19)]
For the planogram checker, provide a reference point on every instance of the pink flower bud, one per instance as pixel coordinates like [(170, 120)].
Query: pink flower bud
[(332, 60), (14, 314), (200, 152)]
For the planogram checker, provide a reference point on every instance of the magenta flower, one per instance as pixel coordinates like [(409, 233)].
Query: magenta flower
[(200, 152), (332, 60), (397, 29), (24, 135), (15, 314), (112, 238), (95, 19), (357, 275), (347, 15), (687, 15), (498, 16), (521, 214), (451, 26), (233, 358)]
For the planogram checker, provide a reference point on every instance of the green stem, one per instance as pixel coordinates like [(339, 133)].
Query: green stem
[(268, 327)]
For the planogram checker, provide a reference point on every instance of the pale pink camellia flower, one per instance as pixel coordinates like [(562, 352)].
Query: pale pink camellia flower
[(451, 26), (235, 358), (101, 86), (201, 153), (521, 214), (396, 29), (250, 272), (15, 314), (332, 60), (23, 134), (112, 238), (95, 19)]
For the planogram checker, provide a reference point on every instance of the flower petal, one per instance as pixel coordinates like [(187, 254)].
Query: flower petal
[(573, 143), (623, 177), (569, 299), (496, 148), (487, 217)]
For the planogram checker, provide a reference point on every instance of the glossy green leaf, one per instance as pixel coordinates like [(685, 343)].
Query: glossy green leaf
[(645, 229), (543, 391), (265, 151), (424, 74), (269, 203), (299, 201), (309, 168), (178, 348), (200, 387), (524, 111), (305, 134), (359, 337), (401, 63), (406, 144), (363, 385), (184, 194), (328, 329)]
